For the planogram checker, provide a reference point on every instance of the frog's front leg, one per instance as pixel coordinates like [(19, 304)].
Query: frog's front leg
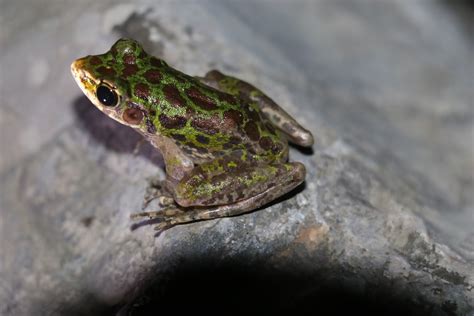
[(272, 111), (157, 189), (178, 164), (207, 193)]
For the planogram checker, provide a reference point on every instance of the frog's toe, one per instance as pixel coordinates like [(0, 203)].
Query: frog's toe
[(150, 215), (157, 190), (163, 214), (166, 201), (163, 226), (163, 200)]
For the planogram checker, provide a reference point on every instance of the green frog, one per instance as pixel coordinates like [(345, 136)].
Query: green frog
[(224, 142)]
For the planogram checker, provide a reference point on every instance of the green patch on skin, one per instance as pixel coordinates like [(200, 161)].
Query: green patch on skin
[(202, 189), (171, 111), (173, 162), (244, 156), (209, 189), (254, 94), (230, 85), (212, 167), (254, 179)]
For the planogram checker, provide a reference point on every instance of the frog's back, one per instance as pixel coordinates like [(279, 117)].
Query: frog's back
[(206, 122)]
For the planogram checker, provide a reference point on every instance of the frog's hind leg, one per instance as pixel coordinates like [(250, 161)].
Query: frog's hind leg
[(235, 198), (272, 111)]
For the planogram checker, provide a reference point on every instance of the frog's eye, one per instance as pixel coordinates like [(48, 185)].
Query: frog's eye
[(106, 96)]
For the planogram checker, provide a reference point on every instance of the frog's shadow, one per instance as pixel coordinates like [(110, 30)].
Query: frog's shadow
[(111, 134)]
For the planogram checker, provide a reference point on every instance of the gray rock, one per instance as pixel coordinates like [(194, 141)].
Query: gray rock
[(383, 224)]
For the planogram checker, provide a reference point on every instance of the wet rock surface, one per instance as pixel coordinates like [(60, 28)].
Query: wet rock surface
[(383, 224)]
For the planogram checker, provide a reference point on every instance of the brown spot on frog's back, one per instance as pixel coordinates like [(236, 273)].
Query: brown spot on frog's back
[(200, 99), (202, 139), (129, 70), (252, 131), (142, 91), (227, 97), (173, 96), (208, 126), (266, 143), (232, 118), (105, 71), (172, 122), (152, 76), (178, 137), (253, 114), (129, 59), (95, 60)]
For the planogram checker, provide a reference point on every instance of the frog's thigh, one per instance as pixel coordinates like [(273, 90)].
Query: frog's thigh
[(238, 183), (285, 182), (272, 111)]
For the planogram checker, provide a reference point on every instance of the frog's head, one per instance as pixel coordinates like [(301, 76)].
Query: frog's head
[(112, 81)]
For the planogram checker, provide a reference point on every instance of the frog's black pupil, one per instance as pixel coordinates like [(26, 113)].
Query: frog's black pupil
[(106, 96)]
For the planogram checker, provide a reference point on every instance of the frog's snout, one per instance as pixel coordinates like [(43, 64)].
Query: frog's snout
[(79, 73), (84, 79), (77, 66)]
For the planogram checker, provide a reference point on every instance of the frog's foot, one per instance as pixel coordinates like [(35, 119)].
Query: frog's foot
[(163, 213), (157, 190), (172, 216), (163, 200), (164, 217)]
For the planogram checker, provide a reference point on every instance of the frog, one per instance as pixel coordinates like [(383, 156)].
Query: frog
[(225, 143)]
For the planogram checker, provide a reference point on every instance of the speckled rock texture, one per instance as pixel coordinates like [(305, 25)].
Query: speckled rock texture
[(383, 225)]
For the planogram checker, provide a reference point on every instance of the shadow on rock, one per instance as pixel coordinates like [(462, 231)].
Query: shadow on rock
[(240, 288), (463, 13), (111, 134)]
